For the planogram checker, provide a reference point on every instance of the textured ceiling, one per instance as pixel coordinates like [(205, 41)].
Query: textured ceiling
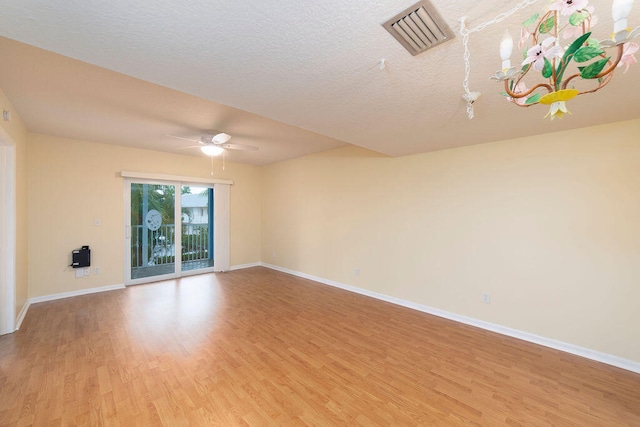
[(301, 77)]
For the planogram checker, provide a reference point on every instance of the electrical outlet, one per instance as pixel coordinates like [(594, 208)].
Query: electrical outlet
[(486, 298), (356, 272), (87, 271), (96, 270)]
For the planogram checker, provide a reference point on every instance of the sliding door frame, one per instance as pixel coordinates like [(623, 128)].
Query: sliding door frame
[(177, 243), (220, 212)]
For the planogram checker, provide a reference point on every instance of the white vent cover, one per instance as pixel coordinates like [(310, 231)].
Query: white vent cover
[(419, 28)]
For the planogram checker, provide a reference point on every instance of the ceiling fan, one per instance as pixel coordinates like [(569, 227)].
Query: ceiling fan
[(213, 143)]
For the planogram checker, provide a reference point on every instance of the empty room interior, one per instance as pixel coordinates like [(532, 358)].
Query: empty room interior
[(330, 213)]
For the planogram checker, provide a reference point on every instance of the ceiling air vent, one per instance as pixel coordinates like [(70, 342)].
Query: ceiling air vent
[(418, 28)]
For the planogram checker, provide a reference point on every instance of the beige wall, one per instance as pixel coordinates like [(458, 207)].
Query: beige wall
[(549, 226), (18, 134), (71, 183)]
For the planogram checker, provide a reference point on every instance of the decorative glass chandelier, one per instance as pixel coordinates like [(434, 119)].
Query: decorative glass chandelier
[(583, 59)]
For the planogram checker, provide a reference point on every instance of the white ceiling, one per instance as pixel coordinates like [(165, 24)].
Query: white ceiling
[(290, 77)]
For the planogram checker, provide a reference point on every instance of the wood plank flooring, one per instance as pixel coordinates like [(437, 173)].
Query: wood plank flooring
[(257, 347)]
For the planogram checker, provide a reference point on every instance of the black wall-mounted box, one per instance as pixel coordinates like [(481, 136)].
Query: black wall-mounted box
[(81, 257)]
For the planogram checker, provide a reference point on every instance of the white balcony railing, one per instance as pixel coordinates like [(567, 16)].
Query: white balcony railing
[(159, 246)]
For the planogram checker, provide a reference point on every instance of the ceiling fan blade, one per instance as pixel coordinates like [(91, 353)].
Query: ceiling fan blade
[(239, 147), (189, 146), (186, 139)]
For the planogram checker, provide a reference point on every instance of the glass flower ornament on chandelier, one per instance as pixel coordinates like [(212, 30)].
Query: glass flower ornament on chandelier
[(567, 21)]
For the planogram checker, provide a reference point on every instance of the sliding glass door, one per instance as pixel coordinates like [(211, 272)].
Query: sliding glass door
[(169, 231), (197, 227)]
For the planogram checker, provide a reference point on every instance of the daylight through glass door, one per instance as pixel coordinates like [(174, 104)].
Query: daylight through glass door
[(197, 228), (153, 231), (168, 236)]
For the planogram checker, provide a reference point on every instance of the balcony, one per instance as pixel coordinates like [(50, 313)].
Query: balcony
[(155, 255)]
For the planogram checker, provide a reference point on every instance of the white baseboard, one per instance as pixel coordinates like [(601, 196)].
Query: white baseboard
[(243, 266), (609, 359), (53, 297), (22, 314)]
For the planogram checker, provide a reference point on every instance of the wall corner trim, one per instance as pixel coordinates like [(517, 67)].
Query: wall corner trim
[(587, 353), (22, 314)]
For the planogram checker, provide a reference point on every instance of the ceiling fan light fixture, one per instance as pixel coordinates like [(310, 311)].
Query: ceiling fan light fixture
[(211, 150)]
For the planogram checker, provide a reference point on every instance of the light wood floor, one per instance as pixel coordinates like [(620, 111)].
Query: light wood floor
[(258, 347)]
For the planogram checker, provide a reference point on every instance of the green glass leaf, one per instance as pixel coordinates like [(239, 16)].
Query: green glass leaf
[(568, 54), (592, 70), (578, 18), (586, 53), (548, 69), (547, 25), (505, 94), (576, 45), (531, 20), (533, 99)]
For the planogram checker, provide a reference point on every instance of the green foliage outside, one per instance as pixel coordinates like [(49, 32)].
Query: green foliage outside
[(162, 199)]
